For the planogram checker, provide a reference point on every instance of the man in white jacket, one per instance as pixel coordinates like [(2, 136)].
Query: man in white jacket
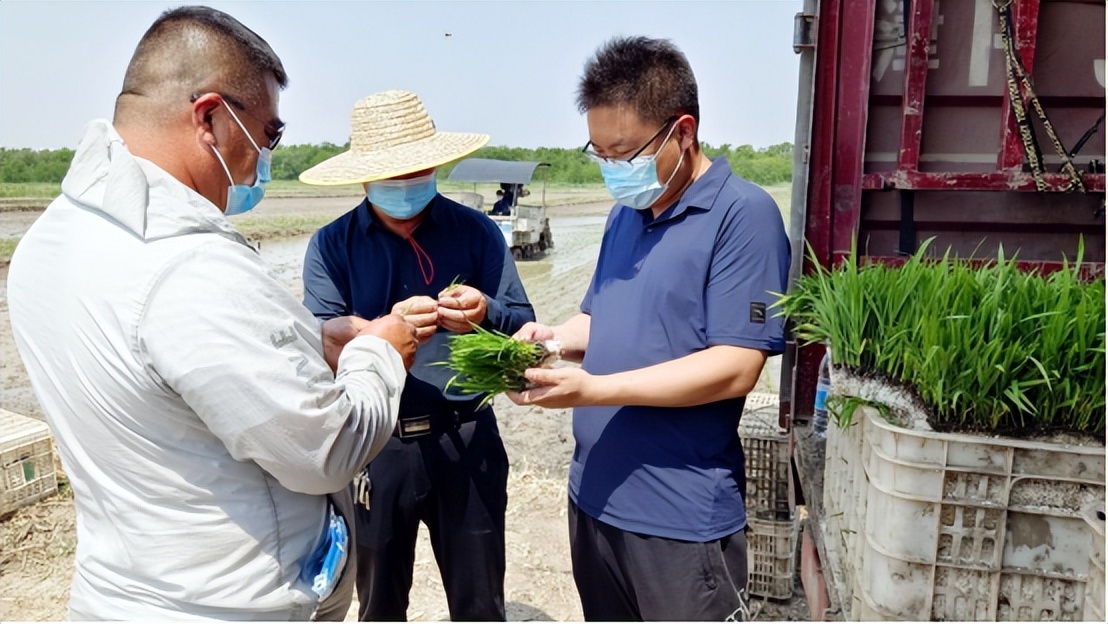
[(209, 425)]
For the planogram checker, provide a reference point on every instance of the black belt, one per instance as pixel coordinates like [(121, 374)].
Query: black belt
[(408, 427)]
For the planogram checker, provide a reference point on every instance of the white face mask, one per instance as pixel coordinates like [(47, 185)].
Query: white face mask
[(635, 183), (240, 197), (403, 199)]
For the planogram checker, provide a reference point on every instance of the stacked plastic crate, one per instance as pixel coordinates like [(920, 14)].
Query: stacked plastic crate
[(26, 462), (770, 500)]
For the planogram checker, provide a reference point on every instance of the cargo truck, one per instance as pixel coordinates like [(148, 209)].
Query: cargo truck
[(978, 123)]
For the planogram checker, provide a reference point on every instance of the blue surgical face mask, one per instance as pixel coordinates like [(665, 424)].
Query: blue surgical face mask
[(635, 183), (403, 199), (240, 197)]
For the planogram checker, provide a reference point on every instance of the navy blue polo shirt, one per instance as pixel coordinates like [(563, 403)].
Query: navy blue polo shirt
[(700, 275), (355, 265)]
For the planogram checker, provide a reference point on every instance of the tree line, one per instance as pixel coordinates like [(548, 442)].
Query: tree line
[(766, 166)]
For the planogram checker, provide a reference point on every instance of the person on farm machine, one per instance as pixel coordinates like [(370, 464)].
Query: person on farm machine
[(207, 440), (673, 333), (445, 267), (505, 197)]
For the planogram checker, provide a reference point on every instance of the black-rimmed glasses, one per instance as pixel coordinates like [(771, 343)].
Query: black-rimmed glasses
[(597, 157), (273, 130)]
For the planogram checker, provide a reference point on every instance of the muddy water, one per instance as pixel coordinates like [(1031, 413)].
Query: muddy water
[(285, 259), (15, 223), (576, 241)]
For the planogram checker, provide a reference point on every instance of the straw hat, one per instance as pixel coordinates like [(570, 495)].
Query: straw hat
[(391, 135)]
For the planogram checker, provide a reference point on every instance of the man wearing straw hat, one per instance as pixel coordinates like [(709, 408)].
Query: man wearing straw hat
[(207, 441), (407, 249)]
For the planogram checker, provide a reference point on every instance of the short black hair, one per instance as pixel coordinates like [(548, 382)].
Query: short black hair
[(198, 49), (651, 76)]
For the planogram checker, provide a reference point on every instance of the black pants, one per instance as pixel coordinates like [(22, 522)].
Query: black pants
[(456, 483), (624, 576)]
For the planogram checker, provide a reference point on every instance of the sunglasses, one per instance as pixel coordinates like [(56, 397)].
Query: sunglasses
[(273, 130)]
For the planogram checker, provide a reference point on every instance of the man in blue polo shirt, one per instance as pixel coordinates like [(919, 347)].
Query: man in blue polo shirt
[(444, 267), (673, 333)]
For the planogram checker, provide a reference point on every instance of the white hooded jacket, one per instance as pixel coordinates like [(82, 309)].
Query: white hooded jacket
[(199, 425)]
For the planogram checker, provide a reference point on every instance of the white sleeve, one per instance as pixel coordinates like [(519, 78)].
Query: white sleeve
[(246, 356)]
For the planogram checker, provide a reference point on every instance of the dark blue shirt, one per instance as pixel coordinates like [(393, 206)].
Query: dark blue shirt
[(700, 275), (503, 206), (355, 265)]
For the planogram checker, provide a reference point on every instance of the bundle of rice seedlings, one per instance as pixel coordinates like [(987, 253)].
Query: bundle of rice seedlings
[(491, 362), (986, 347)]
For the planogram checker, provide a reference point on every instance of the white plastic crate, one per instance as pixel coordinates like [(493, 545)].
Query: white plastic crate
[(1094, 588), (771, 557), (770, 494), (959, 527), (844, 508), (26, 461)]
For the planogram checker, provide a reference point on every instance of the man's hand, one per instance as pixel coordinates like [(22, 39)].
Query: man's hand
[(534, 332), (336, 333), (421, 311), (461, 307), (392, 328), (402, 335), (557, 387)]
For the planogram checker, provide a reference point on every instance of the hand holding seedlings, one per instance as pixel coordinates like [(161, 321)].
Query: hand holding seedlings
[(542, 334), (534, 332), (392, 328), (461, 307), (568, 339), (491, 362), (421, 311), (559, 387)]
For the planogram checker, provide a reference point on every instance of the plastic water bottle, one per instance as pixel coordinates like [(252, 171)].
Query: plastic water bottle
[(823, 386)]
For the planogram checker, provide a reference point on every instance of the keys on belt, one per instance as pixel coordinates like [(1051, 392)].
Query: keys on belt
[(363, 488)]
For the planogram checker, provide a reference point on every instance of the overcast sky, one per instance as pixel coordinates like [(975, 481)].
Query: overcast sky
[(507, 68)]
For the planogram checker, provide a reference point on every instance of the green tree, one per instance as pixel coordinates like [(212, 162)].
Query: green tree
[(770, 165), (27, 165)]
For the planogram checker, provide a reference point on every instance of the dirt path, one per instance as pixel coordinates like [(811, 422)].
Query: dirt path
[(36, 561)]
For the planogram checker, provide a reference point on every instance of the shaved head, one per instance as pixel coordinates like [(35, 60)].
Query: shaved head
[(194, 50)]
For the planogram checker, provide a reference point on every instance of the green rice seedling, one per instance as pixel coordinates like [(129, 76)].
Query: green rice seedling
[(841, 408), (491, 362), (454, 283), (985, 346)]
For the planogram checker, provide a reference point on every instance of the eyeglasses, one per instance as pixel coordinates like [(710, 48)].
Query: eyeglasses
[(273, 130), (604, 159)]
